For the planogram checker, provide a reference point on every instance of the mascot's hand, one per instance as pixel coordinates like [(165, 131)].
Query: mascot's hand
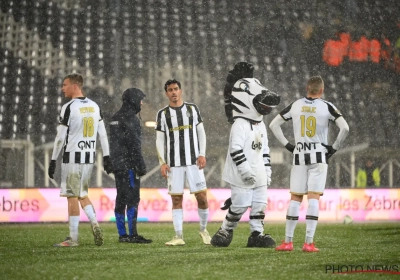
[(249, 178)]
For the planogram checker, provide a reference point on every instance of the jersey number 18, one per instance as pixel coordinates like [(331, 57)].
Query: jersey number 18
[(88, 127)]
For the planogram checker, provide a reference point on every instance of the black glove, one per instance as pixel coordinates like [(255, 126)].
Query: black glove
[(330, 152), (52, 169), (108, 167), (227, 204), (141, 172), (290, 147)]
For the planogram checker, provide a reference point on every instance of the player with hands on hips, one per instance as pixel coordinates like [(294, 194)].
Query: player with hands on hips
[(311, 116)]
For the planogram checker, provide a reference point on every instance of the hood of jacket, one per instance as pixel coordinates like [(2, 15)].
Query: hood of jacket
[(131, 99)]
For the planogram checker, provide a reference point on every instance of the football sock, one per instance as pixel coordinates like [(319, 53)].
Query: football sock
[(177, 218), (203, 214), (311, 219), (292, 216), (90, 213), (131, 213), (73, 227), (120, 222), (232, 219)]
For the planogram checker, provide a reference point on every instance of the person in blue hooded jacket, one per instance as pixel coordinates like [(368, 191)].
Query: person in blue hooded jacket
[(128, 163)]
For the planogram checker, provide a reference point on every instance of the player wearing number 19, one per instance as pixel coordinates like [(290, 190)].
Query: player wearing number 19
[(80, 121), (311, 116)]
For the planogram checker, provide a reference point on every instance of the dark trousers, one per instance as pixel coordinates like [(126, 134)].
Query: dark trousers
[(128, 198)]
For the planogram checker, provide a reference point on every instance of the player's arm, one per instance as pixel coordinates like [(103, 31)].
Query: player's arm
[(58, 144), (201, 134), (105, 147), (276, 129), (343, 132), (236, 151), (59, 141), (160, 145)]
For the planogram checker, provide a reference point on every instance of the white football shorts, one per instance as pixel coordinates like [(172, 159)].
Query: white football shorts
[(75, 179), (243, 197), (195, 178), (310, 178)]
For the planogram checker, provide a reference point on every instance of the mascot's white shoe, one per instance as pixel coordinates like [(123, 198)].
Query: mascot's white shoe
[(222, 238)]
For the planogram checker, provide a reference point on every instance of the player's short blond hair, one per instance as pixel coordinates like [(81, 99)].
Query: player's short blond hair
[(314, 84), (75, 78)]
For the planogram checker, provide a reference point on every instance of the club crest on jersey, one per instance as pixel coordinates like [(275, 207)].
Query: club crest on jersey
[(188, 114)]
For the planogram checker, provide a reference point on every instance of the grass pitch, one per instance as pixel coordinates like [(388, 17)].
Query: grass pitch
[(27, 252)]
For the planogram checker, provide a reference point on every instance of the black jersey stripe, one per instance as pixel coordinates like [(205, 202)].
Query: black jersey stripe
[(65, 158), (191, 139), (200, 120), (319, 157), (159, 114), (65, 118), (296, 159), (332, 110), (285, 111), (182, 151), (171, 137), (77, 157), (307, 159)]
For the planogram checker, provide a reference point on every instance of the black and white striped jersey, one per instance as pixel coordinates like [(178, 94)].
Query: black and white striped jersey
[(310, 126), (82, 117), (179, 125)]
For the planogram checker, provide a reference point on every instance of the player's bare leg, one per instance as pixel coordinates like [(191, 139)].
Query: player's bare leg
[(202, 208)]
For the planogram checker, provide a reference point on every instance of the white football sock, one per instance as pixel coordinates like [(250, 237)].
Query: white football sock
[(74, 227), (311, 219), (292, 217), (90, 213), (203, 215), (177, 218)]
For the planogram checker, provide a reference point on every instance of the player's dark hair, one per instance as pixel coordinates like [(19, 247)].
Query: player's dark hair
[(75, 78), (170, 82)]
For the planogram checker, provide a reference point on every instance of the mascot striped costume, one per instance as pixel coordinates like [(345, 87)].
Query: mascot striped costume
[(247, 166)]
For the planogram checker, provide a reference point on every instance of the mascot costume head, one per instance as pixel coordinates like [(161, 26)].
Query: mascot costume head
[(245, 96)]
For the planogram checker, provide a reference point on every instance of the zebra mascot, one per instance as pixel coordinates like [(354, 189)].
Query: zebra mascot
[(247, 166)]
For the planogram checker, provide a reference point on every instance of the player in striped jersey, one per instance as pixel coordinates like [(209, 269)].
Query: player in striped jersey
[(311, 116), (80, 122), (180, 127)]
